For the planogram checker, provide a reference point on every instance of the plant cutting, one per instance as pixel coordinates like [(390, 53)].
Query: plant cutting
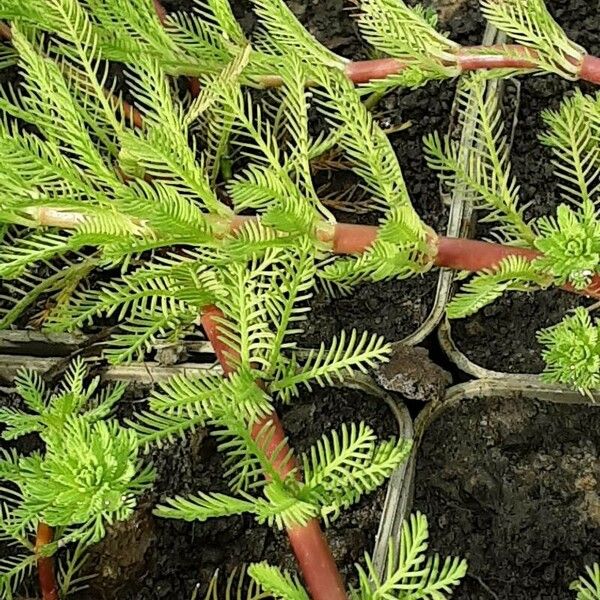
[(88, 475), (265, 478), (562, 250), (159, 196), (158, 219)]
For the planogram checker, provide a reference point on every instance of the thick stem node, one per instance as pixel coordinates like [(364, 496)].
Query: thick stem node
[(590, 69), (368, 70)]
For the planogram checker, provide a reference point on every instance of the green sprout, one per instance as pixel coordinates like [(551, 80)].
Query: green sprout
[(89, 474), (588, 585), (572, 352)]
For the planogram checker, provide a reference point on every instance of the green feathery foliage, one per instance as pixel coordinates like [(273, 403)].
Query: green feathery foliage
[(515, 273), (339, 469), (572, 352), (197, 43), (485, 174), (88, 191), (88, 475), (205, 40), (401, 249), (408, 34), (528, 22), (409, 572), (588, 585), (569, 243)]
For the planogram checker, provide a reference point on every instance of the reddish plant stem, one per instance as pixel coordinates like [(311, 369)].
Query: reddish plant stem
[(473, 255), (161, 12), (131, 113), (5, 32), (47, 578), (459, 254), (353, 239), (471, 58), (590, 69), (475, 58), (363, 71), (312, 551)]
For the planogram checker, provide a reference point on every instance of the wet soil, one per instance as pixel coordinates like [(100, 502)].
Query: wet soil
[(513, 485), (502, 337), (149, 558)]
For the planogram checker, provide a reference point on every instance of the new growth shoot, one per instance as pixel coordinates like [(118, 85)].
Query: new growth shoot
[(88, 475), (564, 249)]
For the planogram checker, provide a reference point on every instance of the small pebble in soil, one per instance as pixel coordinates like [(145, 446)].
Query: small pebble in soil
[(413, 374)]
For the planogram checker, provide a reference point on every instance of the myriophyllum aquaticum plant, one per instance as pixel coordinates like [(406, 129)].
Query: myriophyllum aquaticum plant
[(92, 185), (557, 250), (97, 182), (86, 477), (411, 50), (266, 478), (89, 190)]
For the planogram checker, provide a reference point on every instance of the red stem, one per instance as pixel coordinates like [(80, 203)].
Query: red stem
[(459, 254), (590, 69), (312, 551), (353, 239), (161, 12), (47, 578), (471, 58), (473, 255), (487, 57), (363, 71)]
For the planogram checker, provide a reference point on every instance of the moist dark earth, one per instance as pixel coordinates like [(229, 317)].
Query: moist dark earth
[(149, 558), (512, 485), (502, 337)]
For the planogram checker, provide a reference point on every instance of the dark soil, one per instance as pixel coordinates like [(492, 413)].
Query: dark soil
[(154, 559), (512, 485), (502, 337)]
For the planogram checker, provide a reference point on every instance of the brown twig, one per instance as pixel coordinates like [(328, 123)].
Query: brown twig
[(5, 32)]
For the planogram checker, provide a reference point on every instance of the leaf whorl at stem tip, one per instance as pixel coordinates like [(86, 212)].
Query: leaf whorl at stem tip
[(572, 352)]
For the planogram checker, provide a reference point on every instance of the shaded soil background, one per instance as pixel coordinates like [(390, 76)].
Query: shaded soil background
[(502, 336), (513, 485)]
